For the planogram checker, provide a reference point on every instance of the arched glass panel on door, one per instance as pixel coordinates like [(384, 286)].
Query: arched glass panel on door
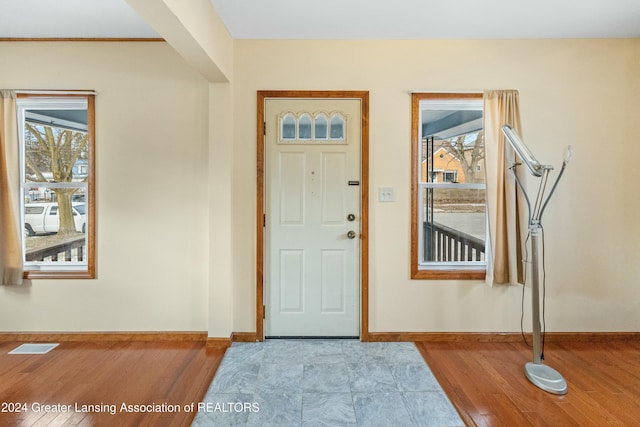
[(337, 127), (304, 127), (321, 127), (288, 127)]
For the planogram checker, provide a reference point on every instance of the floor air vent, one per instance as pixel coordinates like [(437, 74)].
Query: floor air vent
[(33, 349)]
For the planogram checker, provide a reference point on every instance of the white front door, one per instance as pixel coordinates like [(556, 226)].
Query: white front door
[(312, 224)]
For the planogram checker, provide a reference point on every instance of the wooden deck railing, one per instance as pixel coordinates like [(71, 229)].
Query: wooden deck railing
[(71, 249), (445, 244)]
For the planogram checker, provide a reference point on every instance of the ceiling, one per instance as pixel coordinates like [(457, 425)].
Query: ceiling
[(339, 19), (71, 19)]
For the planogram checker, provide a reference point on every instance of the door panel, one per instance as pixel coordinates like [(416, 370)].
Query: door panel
[(312, 279), (334, 186), (292, 184), (334, 286), (291, 281)]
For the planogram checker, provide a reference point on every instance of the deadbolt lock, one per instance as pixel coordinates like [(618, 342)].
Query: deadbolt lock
[(351, 217)]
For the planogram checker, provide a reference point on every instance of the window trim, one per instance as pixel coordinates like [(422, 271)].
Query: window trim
[(436, 273), (90, 271), (453, 174)]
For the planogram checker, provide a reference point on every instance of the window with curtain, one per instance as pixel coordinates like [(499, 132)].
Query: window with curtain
[(448, 187), (10, 244), (507, 212), (57, 192)]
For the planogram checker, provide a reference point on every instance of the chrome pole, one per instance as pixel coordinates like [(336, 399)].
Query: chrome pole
[(542, 376), (535, 292)]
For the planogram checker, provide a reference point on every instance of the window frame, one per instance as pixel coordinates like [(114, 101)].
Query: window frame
[(452, 175), (444, 272), (25, 101)]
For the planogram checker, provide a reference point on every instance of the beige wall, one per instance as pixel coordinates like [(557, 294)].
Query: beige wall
[(173, 256), (152, 197), (580, 92)]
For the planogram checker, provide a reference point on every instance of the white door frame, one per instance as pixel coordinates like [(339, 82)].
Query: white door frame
[(363, 96)]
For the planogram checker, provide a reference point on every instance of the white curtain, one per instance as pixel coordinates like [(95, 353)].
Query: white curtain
[(503, 200), (11, 267)]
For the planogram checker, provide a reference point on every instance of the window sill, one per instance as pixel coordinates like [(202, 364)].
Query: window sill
[(58, 275), (448, 274)]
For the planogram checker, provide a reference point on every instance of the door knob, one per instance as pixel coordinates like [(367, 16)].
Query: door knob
[(351, 234)]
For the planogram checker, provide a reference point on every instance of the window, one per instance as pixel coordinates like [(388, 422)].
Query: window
[(448, 227), (288, 127), (321, 127), (308, 128), (304, 127), (56, 134), (450, 176), (337, 127)]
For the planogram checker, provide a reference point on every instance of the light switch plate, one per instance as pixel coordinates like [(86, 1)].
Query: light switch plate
[(385, 194)]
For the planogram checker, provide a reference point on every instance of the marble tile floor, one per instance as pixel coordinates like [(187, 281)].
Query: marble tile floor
[(325, 383)]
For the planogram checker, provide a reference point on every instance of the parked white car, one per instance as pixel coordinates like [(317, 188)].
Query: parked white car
[(43, 218)]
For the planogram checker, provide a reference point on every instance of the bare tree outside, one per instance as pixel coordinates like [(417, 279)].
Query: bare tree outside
[(469, 151), (50, 156)]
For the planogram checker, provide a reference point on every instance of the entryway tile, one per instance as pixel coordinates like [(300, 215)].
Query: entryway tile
[(338, 383), (328, 409), (380, 410), (324, 377)]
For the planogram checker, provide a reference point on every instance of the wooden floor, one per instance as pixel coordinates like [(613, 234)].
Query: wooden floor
[(486, 383), (105, 374)]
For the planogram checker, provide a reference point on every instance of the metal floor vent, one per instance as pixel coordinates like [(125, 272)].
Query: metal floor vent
[(33, 348)]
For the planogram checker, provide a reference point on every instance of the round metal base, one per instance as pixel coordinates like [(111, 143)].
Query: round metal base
[(546, 378)]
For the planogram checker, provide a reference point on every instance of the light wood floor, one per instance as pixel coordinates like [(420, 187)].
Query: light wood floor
[(485, 382)]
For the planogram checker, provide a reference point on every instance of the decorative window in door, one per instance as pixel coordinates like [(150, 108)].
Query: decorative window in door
[(319, 127)]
